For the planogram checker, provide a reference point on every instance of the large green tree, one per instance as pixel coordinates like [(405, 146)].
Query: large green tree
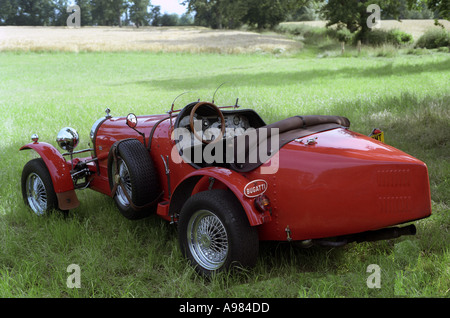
[(139, 13), (234, 13), (155, 14), (216, 14), (442, 7), (108, 12), (269, 13), (353, 13), (27, 12)]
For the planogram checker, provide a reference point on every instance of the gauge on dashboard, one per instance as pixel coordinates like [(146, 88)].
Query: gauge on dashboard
[(236, 120)]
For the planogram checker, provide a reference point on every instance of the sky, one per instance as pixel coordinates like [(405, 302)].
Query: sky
[(170, 6)]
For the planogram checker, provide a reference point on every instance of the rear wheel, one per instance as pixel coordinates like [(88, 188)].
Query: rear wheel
[(214, 233), (37, 187)]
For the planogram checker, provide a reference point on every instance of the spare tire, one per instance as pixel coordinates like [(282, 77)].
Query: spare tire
[(133, 179)]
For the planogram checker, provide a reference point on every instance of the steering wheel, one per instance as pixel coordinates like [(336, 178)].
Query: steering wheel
[(222, 119)]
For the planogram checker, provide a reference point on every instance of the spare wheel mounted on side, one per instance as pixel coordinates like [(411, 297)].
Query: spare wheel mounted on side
[(133, 180)]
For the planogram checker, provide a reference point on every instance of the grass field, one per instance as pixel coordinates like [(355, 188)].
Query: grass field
[(408, 96)]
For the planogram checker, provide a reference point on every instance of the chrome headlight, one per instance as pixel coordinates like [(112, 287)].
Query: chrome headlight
[(67, 139), (95, 126)]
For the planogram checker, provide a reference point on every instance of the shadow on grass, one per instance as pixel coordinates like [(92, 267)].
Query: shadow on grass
[(286, 78)]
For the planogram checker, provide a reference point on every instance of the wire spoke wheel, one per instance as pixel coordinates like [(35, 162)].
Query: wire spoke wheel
[(37, 188), (36, 194), (133, 179), (207, 240), (215, 234), (125, 180)]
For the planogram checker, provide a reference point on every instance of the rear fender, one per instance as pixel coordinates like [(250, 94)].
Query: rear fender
[(232, 180), (59, 170)]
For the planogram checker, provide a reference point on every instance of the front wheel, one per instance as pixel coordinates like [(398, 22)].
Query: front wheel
[(214, 233), (37, 187)]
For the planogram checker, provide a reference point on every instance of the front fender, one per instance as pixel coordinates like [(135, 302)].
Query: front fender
[(59, 170), (234, 181)]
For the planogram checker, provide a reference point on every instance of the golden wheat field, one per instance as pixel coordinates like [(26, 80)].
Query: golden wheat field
[(167, 39), (154, 39)]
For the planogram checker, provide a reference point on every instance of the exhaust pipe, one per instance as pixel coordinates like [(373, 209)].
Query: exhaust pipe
[(369, 236), (385, 234)]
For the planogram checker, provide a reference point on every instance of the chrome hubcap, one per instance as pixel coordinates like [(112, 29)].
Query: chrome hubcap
[(207, 240), (124, 176), (36, 194)]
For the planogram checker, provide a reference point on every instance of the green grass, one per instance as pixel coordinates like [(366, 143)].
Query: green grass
[(408, 96)]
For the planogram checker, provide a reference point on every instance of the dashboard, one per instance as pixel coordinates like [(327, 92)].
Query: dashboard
[(235, 125), (208, 126)]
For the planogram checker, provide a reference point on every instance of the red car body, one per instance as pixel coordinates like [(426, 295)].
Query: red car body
[(327, 186)]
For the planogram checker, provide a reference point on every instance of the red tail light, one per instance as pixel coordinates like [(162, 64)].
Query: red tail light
[(262, 203)]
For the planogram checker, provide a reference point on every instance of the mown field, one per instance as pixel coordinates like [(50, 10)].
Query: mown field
[(406, 95)]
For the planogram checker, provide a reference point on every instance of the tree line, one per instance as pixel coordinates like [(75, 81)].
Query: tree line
[(218, 14), (92, 12)]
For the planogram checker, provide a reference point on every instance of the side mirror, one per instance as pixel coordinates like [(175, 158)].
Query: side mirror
[(132, 123), (131, 120)]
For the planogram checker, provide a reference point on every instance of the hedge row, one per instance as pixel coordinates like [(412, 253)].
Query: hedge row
[(433, 38)]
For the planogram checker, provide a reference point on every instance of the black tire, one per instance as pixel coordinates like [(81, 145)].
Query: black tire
[(37, 187), (234, 243), (138, 174)]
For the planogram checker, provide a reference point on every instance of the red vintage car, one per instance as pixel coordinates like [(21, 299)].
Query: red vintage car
[(229, 180)]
